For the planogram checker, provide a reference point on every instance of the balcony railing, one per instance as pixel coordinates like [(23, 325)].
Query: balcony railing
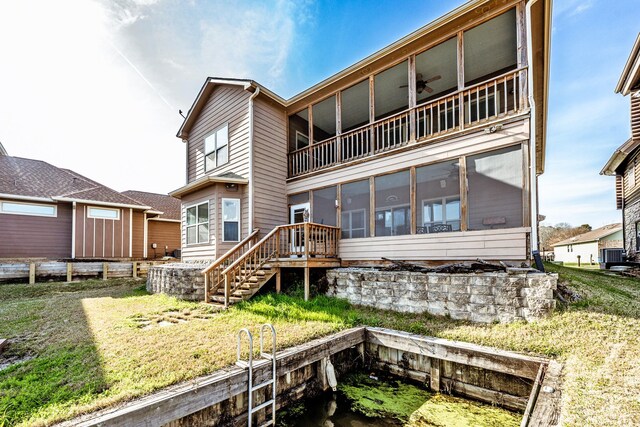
[(476, 105)]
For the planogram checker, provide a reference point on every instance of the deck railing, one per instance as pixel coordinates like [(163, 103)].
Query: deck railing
[(301, 240), (492, 100)]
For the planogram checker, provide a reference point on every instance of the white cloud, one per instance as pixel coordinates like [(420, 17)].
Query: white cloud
[(572, 7), (94, 86), (70, 99)]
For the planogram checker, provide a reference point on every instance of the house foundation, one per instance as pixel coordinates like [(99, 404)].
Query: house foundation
[(180, 280), (485, 297)]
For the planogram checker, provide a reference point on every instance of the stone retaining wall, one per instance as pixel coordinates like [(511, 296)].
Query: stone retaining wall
[(184, 281), (486, 297)]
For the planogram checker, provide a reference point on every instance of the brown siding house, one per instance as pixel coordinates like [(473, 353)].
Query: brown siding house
[(428, 150), (49, 212), (624, 163)]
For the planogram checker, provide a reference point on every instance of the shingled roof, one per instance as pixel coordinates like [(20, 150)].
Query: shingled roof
[(591, 236), (35, 178), (169, 206)]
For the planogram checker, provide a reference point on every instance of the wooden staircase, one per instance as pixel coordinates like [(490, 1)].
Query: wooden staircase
[(244, 290), (246, 268)]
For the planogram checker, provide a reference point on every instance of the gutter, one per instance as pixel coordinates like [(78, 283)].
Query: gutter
[(251, 147), (533, 174), (26, 198), (73, 231), (99, 203)]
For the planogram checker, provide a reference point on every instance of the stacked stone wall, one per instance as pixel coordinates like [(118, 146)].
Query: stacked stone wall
[(486, 297), (184, 281)]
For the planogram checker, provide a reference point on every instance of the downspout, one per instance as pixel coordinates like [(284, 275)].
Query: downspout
[(73, 231), (146, 236), (251, 98), (533, 173)]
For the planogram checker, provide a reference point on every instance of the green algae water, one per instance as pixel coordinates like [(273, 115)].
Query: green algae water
[(363, 401)]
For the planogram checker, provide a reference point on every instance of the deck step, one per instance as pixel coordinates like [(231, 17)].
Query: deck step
[(220, 299)]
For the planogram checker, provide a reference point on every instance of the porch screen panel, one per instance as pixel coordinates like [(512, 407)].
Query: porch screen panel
[(297, 199), (355, 201), (393, 204), (438, 197), (355, 106), (324, 206), (390, 90), (495, 181), (490, 48)]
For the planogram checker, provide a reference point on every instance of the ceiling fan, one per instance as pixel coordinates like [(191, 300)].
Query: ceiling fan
[(421, 85)]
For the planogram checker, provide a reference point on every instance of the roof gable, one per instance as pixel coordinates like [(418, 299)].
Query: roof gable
[(591, 236)]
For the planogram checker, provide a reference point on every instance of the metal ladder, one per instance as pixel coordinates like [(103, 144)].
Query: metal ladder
[(249, 364)]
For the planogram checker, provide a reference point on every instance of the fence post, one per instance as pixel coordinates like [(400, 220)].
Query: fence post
[(32, 273), (134, 268), (69, 272), (105, 270)]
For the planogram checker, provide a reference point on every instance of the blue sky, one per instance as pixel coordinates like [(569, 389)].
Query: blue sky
[(105, 79)]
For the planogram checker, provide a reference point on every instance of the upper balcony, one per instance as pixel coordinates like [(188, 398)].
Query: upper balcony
[(473, 78)]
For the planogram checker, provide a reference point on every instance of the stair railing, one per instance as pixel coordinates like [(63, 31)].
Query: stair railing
[(213, 277), (299, 240)]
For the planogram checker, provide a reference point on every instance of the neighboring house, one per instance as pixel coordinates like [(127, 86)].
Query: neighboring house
[(49, 212), (427, 150), (162, 229), (589, 246), (624, 164), (3, 152)]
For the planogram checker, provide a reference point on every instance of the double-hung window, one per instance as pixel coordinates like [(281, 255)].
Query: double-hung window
[(230, 220), (198, 224), (216, 148)]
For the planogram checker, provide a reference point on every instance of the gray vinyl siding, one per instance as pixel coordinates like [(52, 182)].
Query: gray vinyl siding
[(215, 247), (227, 104), (269, 166)]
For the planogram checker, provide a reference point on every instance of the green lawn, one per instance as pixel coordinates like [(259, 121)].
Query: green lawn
[(91, 344)]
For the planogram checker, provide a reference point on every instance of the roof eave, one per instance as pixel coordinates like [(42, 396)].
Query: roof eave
[(619, 156), (204, 182), (100, 203), (631, 70)]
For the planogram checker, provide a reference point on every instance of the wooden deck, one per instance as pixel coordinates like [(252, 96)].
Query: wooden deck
[(241, 272)]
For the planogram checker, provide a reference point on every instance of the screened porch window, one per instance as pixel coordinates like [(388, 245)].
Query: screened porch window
[(393, 204), (324, 206), (438, 195), (355, 209), (198, 224), (216, 148), (231, 220), (495, 189)]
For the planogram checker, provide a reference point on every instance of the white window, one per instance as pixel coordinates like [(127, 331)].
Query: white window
[(103, 213), (32, 209), (354, 224), (445, 210), (216, 148), (198, 224), (230, 220)]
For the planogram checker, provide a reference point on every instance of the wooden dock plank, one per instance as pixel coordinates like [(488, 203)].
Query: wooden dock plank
[(459, 352)]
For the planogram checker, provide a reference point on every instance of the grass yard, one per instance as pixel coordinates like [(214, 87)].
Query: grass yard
[(91, 344)]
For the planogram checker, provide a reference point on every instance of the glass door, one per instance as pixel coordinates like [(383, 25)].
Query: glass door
[(297, 214)]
